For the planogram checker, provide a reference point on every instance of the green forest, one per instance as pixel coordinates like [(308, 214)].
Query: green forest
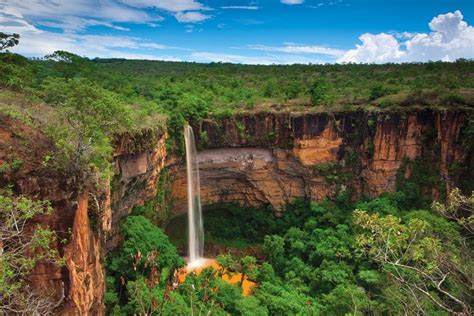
[(373, 257), (395, 254), (136, 94)]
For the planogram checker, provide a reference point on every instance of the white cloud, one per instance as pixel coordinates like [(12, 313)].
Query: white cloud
[(450, 38), (299, 49), (36, 42), (76, 24), (229, 58), (185, 11), (191, 17), (291, 2), (241, 7), (70, 15), (378, 48), (168, 5), (252, 60)]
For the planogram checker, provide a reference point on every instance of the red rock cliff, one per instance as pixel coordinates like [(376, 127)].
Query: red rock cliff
[(82, 216), (272, 158), (250, 159)]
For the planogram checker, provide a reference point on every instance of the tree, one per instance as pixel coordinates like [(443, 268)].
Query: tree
[(248, 265), (91, 116), (459, 208), (145, 267), (292, 90), (8, 40), (227, 265), (377, 91), (347, 299), (318, 92), (418, 260), (20, 250), (274, 248), (68, 64)]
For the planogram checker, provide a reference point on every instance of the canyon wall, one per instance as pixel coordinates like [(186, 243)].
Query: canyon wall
[(86, 213), (251, 159), (274, 158), (77, 287), (138, 160)]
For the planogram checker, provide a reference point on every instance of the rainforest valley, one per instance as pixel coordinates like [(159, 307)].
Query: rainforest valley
[(333, 189)]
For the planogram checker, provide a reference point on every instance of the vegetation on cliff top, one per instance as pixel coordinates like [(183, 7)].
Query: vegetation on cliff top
[(141, 93), (380, 256)]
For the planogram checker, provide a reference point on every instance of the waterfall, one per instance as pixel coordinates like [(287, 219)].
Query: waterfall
[(195, 226)]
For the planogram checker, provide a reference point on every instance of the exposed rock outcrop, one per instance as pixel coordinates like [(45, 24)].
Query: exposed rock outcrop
[(273, 158), (79, 285), (252, 159), (139, 159), (82, 216)]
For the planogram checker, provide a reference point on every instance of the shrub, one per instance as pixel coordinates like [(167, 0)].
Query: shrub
[(377, 91), (318, 92)]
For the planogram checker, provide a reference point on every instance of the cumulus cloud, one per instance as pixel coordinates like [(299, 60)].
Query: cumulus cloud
[(450, 38), (291, 2), (299, 49)]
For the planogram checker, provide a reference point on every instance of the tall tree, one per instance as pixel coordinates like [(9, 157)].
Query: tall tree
[(421, 261), (8, 40)]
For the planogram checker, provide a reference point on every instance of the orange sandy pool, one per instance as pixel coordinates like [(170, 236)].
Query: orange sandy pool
[(247, 285)]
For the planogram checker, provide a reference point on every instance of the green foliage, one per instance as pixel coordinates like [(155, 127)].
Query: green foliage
[(142, 237), (453, 99), (241, 222), (21, 250), (423, 178), (292, 90), (8, 40), (324, 258), (144, 251), (68, 65), (422, 253), (316, 257), (143, 278), (377, 91), (15, 71), (91, 116), (158, 209), (318, 92), (347, 300)]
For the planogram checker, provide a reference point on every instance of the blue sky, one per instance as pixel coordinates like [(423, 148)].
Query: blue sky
[(265, 31)]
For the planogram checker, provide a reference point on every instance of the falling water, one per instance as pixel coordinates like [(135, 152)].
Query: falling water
[(195, 227)]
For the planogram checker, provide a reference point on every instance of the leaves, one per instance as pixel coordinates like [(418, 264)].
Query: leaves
[(21, 250)]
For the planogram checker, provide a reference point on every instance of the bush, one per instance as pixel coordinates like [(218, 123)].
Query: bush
[(453, 99), (377, 91), (318, 92)]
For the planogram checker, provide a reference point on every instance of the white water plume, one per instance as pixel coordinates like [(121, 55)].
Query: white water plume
[(195, 224)]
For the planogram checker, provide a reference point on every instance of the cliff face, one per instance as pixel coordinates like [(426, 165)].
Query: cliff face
[(275, 158), (250, 159), (85, 217), (79, 285), (139, 159)]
